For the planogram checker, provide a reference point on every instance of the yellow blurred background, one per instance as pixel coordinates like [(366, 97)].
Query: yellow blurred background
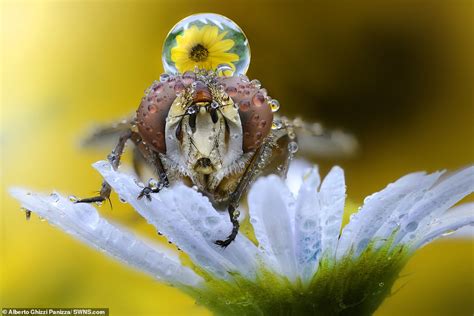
[(398, 74)]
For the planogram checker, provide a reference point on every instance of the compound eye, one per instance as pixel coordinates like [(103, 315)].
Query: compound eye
[(153, 111), (255, 111)]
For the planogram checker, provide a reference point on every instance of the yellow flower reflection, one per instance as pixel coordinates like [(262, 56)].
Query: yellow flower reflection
[(203, 47)]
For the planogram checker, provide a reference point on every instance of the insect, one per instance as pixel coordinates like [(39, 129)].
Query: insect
[(213, 128)]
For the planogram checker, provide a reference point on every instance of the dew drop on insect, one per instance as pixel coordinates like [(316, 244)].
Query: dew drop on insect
[(72, 198), (244, 106), (164, 77), (256, 83), (122, 200), (274, 104), (292, 147), (225, 70), (277, 125), (186, 47)]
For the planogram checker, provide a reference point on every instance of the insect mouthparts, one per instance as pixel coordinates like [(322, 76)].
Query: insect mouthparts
[(204, 165)]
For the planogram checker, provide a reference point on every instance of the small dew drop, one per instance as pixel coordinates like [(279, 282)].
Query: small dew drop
[(381, 284), (164, 77), (277, 125), (274, 104), (292, 147), (256, 83), (55, 197), (122, 200), (449, 232), (72, 198)]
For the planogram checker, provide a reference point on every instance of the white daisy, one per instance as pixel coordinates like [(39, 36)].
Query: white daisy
[(298, 261)]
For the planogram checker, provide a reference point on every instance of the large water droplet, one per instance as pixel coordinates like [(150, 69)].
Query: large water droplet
[(187, 45)]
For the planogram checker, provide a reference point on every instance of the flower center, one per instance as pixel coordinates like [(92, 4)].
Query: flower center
[(198, 53)]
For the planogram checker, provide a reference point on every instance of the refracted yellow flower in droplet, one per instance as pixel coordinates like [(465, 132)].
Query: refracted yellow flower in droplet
[(203, 47)]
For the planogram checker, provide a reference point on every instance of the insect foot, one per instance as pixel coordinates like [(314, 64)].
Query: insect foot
[(153, 186), (234, 216)]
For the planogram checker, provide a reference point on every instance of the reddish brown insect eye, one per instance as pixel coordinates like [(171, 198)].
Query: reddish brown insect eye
[(153, 110), (255, 113)]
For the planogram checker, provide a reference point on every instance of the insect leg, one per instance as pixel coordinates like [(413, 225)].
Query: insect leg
[(257, 164), (154, 186), (114, 159)]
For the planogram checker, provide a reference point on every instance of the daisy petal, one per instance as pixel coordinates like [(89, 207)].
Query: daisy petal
[(447, 192), (271, 208), (214, 226), (358, 232), (296, 171), (163, 212), (308, 227), (83, 222), (332, 198), (455, 218)]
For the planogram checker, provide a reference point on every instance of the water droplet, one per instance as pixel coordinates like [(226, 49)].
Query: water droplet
[(122, 200), (72, 198), (212, 220), (258, 99), (231, 91), (244, 105), (164, 77), (274, 104), (292, 147), (381, 284), (225, 70), (309, 225), (411, 226), (55, 197), (199, 59), (449, 232), (277, 125), (256, 83)]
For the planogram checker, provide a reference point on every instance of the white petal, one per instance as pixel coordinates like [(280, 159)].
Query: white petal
[(375, 211), (83, 221), (271, 207), (455, 218), (296, 171), (332, 197), (404, 205), (308, 227), (436, 201), (188, 220)]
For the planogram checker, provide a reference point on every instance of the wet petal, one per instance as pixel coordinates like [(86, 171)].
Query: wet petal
[(443, 195), (449, 222), (377, 207), (271, 208), (308, 227), (332, 199), (83, 222), (297, 170), (188, 220)]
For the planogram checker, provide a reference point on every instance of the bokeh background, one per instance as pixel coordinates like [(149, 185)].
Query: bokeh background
[(398, 74)]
